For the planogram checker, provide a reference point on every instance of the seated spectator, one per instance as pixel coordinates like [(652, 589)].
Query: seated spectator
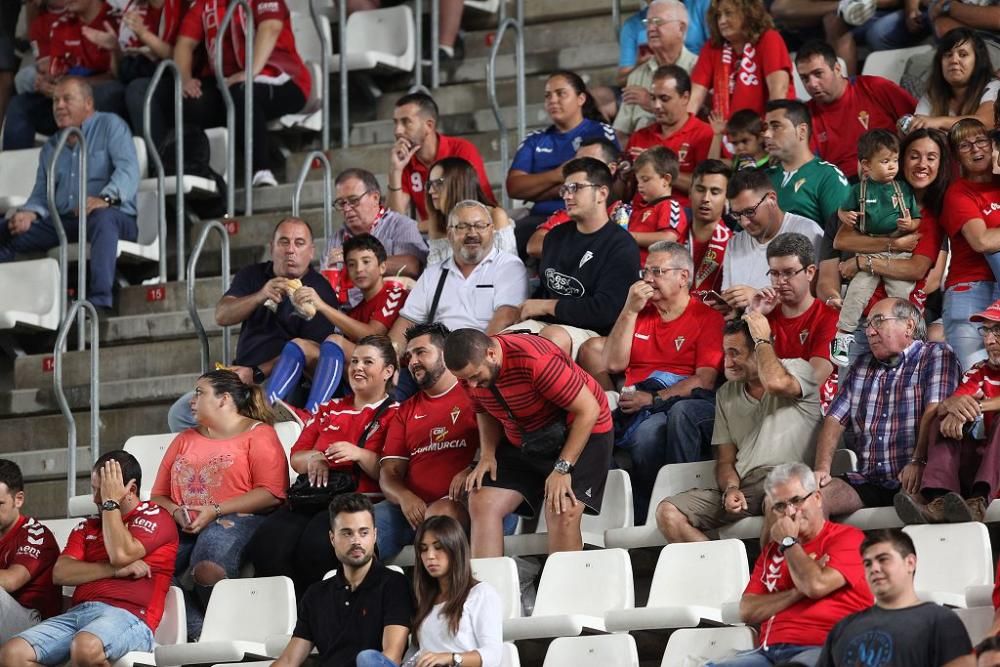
[(709, 236), (458, 619), (899, 627), (764, 72), (658, 215), (807, 578), (961, 85), (674, 127), (365, 605), (453, 180), (120, 562), (373, 316), (343, 439), (28, 550), (69, 54), (41, 18), (890, 409), (665, 24), (842, 108), (744, 131), (218, 506), (766, 414), (545, 436), (586, 267), (265, 331), (281, 82), (536, 172), (419, 146), (754, 204), (429, 446), (112, 183)]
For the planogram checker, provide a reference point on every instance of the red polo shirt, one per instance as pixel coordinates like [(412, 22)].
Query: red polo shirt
[(71, 52), (415, 173), (691, 143)]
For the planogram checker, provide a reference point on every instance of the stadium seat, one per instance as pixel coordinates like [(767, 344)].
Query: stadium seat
[(977, 622), (197, 186), (576, 591), (501, 574), (171, 630), (35, 305), (395, 48), (241, 614), (488, 6), (61, 528), (18, 170), (955, 556), (693, 646), (690, 583), (510, 657), (890, 64), (599, 651), (288, 433), (310, 48)]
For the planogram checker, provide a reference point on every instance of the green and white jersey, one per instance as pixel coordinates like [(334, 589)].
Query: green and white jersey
[(815, 190)]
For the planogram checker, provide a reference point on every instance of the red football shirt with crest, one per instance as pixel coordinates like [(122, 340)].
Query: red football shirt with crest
[(691, 341), (708, 256), (690, 143), (384, 307), (415, 173), (806, 336), (661, 215), (70, 51), (981, 381), (438, 435), (32, 546)]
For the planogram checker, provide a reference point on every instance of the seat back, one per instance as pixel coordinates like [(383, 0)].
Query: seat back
[(288, 433), (891, 64), (510, 656), (36, 301), (173, 625), (310, 48), (951, 557), (250, 609), (389, 31), (595, 651), (218, 142), (501, 574), (148, 450), (61, 528), (675, 478), (977, 622), (699, 573), (585, 582), (17, 173), (694, 646)]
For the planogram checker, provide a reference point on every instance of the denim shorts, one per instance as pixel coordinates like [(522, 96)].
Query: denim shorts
[(120, 631)]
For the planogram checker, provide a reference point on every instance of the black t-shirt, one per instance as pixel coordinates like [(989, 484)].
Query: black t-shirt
[(923, 635), (341, 623), (264, 333), (590, 274)]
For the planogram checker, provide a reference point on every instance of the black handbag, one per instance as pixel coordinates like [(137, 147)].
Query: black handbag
[(545, 442)]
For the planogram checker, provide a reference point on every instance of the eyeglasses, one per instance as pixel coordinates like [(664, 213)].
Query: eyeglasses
[(435, 183), (750, 212), (979, 142), (463, 227), (878, 321), (778, 276), (353, 201), (796, 502), (656, 22), (573, 188), (658, 272), (989, 331)]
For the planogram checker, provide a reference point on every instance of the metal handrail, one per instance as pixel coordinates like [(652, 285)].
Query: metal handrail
[(345, 120), (324, 84), (192, 306), (151, 149), (81, 267), (83, 308), (616, 18), (327, 190), (517, 25), (418, 35), (435, 40), (220, 80)]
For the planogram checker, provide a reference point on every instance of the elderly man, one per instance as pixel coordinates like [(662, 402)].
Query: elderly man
[(112, 182), (807, 578), (666, 25), (890, 399), (767, 413)]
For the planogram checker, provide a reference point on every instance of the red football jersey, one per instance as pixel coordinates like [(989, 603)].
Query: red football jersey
[(692, 341), (690, 143), (438, 435), (32, 546), (71, 52), (384, 307), (664, 214), (708, 256), (805, 336), (983, 381), (966, 201), (415, 173), (144, 597)]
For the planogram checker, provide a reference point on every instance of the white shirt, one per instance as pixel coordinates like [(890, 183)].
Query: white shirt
[(481, 627), (745, 262), (989, 95)]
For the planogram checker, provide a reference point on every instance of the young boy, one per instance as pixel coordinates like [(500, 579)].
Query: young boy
[(659, 217), (745, 130), (880, 206)]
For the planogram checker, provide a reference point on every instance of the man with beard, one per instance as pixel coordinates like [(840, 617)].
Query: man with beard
[(428, 448), (364, 606)]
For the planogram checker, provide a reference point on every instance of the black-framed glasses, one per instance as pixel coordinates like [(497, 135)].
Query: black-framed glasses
[(978, 142), (353, 201), (796, 502), (985, 331), (435, 183), (878, 321), (462, 227), (573, 188), (749, 213), (778, 276), (658, 272)]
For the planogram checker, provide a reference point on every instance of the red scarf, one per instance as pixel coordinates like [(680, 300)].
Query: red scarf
[(726, 79)]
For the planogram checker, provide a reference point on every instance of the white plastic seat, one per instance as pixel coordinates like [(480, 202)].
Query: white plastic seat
[(510, 656), (955, 556), (241, 614), (61, 528), (310, 49), (488, 6), (690, 583), (197, 186), (35, 302), (892, 63), (18, 170), (288, 433), (618, 650), (379, 38), (501, 574), (171, 630), (696, 645), (977, 621), (576, 591)]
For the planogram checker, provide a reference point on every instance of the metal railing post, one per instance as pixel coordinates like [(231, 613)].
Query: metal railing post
[(616, 18), (517, 25), (227, 97), (209, 227), (345, 118), (83, 308), (327, 191), (435, 40), (151, 149), (324, 85), (418, 35), (81, 268)]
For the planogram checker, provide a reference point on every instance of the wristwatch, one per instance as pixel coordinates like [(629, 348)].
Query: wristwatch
[(456, 660), (946, 8), (757, 342), (787, 543), (258, 375), (563, 467), (112, 201), (110, 505)]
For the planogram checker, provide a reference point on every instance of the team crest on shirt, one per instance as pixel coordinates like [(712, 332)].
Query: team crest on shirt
[(803, 335), (682, 153), (646, 214), (863, 118), (576, 143), (799, 183), (439, 434), (455, 412), (678, 342)]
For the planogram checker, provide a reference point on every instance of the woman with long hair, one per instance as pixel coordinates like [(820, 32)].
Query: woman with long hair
[(450, 181), (218, 481), (458, 619), (296, 544), (961, 84)]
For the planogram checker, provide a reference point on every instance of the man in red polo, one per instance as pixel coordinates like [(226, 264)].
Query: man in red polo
[(674, 127), (418, 146)]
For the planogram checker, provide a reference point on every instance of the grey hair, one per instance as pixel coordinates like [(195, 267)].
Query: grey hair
[(905, 310), (86, 90), (680, 257), (675, 5), (784, 473), (468, 203)]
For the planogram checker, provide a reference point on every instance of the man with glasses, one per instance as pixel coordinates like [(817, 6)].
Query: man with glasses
[(807, 578), (889, 398), (766, 414), (587, 265), (754, 204)]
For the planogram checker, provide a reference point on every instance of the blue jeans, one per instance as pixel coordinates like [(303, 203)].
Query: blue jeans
[(961, 301), (887, 30), (394, 531), (179, 416), (105, 227), (772, 655), (120, 631), (372, 658)]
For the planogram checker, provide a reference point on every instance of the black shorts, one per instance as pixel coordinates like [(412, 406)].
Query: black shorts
[(9, 10), (527, 475), (873, 495)]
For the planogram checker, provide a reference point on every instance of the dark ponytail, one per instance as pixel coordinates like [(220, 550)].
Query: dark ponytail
[(589, 110), (248, 398)]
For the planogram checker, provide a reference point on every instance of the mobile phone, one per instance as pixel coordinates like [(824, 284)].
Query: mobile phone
[(712, 297)]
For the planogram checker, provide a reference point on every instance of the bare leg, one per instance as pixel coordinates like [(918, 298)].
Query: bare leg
[(591, 359), (675, 525), (18, 653), (448, 507), (564, 529), (838, 34), (450, 21), (558, 335), (87, 650), (839, 498), (487, 508)]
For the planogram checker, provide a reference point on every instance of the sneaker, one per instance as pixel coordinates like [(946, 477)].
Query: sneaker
[(856, 12), (911, 512), (264, 178), (959, 510), (840, 348), (283, 412)]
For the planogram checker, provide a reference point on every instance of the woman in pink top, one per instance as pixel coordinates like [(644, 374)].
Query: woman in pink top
[(218, 480)]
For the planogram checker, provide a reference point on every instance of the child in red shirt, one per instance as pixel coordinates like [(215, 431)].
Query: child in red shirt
[(659, 217)]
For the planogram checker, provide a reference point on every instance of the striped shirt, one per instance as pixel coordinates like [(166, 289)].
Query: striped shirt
[(883, 405)]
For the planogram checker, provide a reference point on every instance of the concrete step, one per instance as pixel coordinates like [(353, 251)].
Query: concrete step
[(171, 297), (115, 393), (40, 432), (120, 330), (596, 51), (567, 32), (257, 230), (47, 499)]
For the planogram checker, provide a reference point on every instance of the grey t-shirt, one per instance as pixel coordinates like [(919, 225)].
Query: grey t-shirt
[(745, 262)]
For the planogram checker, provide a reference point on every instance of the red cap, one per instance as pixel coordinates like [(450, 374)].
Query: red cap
[(991, 314)]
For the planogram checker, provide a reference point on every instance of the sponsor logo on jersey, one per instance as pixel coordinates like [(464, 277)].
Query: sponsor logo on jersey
[(29, 551), (145, 524), (642, 336), (438, 434), (440, 446), (563, 285)]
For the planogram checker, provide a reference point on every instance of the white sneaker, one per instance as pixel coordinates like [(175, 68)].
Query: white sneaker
[(840, 348), (265, 178), (856, 12)]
